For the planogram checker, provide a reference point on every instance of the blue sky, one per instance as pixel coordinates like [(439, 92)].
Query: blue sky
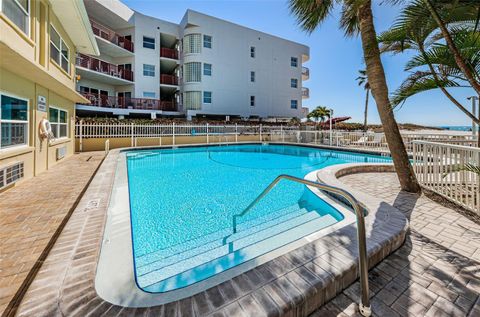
[(334, 59)]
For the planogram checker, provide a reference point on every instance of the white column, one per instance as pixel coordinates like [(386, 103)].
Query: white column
[(81, 135), (208, 139), (236, 133), (132, 135)]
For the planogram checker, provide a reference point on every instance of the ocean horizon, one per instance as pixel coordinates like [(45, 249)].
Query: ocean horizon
[(457, 127)]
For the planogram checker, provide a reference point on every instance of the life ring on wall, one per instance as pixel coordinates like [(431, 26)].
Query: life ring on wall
[(45, 129)]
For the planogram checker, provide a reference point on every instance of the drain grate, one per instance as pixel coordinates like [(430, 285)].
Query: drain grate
[(92, 204)]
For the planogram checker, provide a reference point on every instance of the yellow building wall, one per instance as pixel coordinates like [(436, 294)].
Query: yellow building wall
[(98, 144), (36, 46), (39, 155)]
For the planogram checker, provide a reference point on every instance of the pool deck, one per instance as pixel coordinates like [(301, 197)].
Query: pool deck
[(435, 273), (437, 270), (31, 216)]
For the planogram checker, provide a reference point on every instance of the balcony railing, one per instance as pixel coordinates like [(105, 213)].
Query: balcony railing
[(168, 53), (111, 36), (168, 79), (98, 100), (100, 66), (305, 92), (305, 73)]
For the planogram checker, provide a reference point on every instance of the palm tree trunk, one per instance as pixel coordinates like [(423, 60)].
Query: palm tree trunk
[(378, 84), (453, 48), (366, 111)]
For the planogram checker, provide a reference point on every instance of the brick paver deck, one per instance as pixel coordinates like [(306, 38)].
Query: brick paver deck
[(435, 273), (30, 215)]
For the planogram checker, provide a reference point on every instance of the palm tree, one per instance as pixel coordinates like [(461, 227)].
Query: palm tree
[(363, 81), (436, 8), (357, 17), (435, 66), (319, 112)]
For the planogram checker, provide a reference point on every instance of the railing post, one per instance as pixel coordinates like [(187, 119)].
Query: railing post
[(260, 131), (173, 133), (81, 135), (132, 135), (281, 133), (236, 133), (208, 139)]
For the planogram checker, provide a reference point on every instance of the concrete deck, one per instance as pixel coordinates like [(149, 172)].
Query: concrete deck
[(32, 214), (435, 273)]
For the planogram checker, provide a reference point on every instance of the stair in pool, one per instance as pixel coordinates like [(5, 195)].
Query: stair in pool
[(198, 259)]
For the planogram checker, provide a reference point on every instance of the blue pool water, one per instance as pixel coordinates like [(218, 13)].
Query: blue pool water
[(182, 202)]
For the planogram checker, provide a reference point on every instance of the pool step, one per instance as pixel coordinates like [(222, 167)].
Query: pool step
[(239, 240), (263, 221), (202, 266)]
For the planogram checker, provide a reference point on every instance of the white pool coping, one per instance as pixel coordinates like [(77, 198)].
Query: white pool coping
[(115, 277)]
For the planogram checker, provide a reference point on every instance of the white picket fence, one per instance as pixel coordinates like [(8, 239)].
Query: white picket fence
[(438, 168), (220, 133), (377, 141)]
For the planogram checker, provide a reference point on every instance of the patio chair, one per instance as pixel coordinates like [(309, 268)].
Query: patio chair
[(361, 141), (377, 140)]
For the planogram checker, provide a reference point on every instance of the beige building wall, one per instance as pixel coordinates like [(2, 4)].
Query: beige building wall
[(27, 72)]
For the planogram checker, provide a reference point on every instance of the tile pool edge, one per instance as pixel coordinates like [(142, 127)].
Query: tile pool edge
[(115, 265)]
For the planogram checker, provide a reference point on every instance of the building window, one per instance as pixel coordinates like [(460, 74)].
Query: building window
[(293, 61), (207, 97), (13, 121), (58, 121), (18, 11), (252, 77), (294, 83), (252, 51), (148, 70), (192, 43), (207, 69), (149, 42), (192, 100), (149, 94), (207, 41), (59, 51), (293, 104), (192, 72), (252, 101)]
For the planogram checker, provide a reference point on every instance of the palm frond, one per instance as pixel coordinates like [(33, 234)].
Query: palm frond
[(463, 168), (310, 14), (416, 83)]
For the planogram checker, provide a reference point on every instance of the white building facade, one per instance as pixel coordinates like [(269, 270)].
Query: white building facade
[(203, 66)]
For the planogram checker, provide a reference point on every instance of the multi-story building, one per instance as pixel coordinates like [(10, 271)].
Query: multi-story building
[(38, 44), (203, 66)]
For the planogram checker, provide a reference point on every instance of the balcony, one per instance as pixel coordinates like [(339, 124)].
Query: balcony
[(168, 53), (168, 80), (110, 36), (103, 71), (97, 100), (305, 93), (305, 73)]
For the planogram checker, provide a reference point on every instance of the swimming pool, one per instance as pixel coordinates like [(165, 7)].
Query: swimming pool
[(182, 201)]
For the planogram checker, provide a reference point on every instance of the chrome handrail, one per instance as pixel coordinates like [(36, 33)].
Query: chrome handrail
[(364, 306)]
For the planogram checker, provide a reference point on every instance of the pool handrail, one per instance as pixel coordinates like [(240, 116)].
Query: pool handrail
[(364, 305)]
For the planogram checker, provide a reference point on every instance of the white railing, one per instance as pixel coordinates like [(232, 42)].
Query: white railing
[(439, 167), (377, 141), (233, 132)]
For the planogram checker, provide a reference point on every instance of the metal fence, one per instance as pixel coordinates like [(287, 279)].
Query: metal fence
[(443, 168)]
